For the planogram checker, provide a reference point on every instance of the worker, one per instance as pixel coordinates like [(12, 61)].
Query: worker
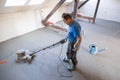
[(74, 39)]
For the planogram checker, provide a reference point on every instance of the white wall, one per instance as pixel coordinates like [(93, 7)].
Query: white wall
[(15, 24), (19, 23), (55, 17), (108, 9)]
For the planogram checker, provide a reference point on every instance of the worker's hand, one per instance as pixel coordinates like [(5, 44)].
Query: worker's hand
[(76, 47)]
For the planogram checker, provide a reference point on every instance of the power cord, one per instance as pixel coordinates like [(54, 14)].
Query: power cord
[(63, 75), (6, 56)]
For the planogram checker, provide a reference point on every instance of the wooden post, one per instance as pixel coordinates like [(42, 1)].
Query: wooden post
[(95, 14), (75, 8), (53, 11)]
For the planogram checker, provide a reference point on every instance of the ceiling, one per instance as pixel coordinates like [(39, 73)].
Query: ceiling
[(9, 9)]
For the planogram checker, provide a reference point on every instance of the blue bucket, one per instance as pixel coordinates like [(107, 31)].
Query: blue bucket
[(92, 49)]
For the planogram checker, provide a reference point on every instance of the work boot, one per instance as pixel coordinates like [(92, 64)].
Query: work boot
[(71, 67), (66, 60)]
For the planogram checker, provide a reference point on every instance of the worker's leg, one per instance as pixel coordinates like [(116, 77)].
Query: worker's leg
[(74, 59), (68, 54)]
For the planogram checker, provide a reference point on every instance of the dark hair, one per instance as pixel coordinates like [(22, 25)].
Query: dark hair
[(66, 16)]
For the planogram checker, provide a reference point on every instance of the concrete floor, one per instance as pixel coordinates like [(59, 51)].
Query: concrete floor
[(47, 66)]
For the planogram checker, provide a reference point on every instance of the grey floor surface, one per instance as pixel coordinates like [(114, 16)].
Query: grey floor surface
[(47, 66)]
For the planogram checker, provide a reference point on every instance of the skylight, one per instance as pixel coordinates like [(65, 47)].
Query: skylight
[(72, 0), (33, 2), (82, 0), (15, 2), (69, 0)]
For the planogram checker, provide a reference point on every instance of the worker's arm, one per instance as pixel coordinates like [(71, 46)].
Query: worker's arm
[(78, 42)]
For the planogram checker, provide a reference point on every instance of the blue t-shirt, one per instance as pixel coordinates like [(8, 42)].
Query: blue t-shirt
[(74, 30)]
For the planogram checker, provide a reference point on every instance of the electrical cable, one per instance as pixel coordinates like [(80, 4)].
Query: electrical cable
[(3, 59), (62, 75), (7, 56)]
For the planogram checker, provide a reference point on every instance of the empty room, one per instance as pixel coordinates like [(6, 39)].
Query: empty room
[(59, 39)]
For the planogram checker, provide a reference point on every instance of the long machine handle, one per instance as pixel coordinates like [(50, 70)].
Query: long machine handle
[(51, 46)]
